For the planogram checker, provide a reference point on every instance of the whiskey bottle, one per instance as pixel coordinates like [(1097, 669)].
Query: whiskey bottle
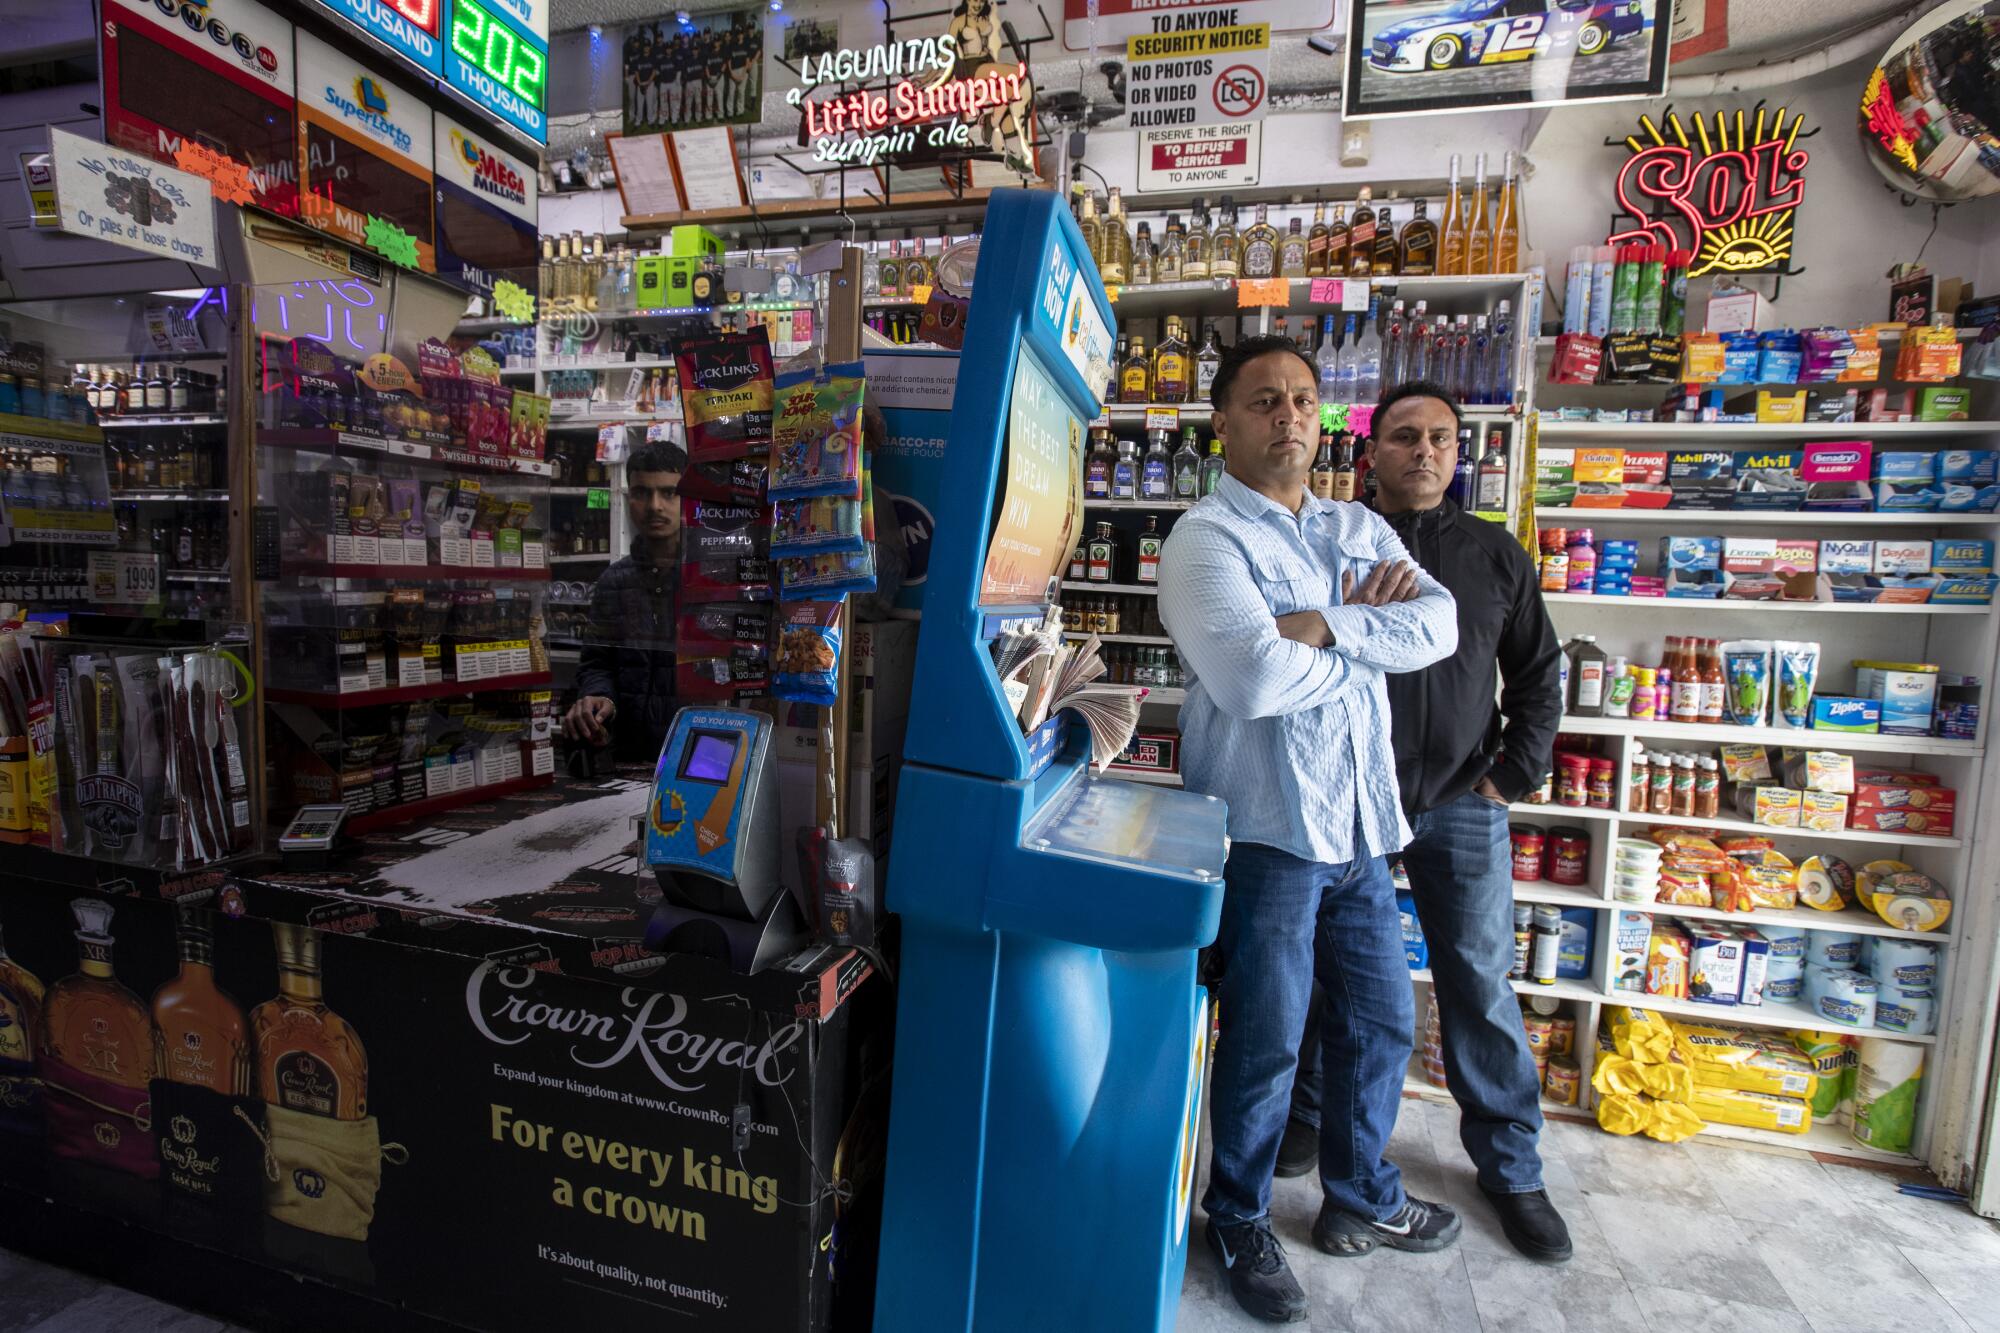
[(1316, 242), (1361, 237), (1322, 468), (1343, 470), (21, 996), (1292, 251), (1419, 244), (1260, 246), (1135, 381), (96, 1048), (1225, 247), (1506, 242), (198, 1031), (1167, 264), (1451, 234), (308, 1058), (1207, 361), (1170, 365), (1478, 228), (1338, 237), (1116, 264), (1142, 256), (1150, 539), (1194, 255), (1386, 256)]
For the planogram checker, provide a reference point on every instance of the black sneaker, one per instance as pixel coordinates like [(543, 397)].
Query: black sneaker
[(1420, 1227), (1298, 1151), (1259, 1277), (1532, 1224)]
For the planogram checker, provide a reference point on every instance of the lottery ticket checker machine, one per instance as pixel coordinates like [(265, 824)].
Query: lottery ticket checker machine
[(1050, 1033)]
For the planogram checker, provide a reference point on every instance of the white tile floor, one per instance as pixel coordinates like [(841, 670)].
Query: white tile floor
[(1709, 1236), (1675, 1238)]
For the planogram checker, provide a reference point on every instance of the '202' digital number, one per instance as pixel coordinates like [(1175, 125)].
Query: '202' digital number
[(482, 40)]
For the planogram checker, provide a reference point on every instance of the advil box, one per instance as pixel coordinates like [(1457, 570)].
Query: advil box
[(1702, 478), (1767, 480)]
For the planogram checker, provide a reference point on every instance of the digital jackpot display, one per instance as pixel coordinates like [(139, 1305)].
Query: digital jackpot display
[(485, 209), (364, 150), (498, 58), (219, 74), (413, 29)]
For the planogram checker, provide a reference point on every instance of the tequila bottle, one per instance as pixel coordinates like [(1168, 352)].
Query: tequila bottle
[(1194, 255), (1097, 467), (308, 1058), (1115, 266), (1212, 467), (1156, 469), (198, 1031), (1170, 365), (1187, 466), (1093, 229), (1207, 360), (1167, 264), (1225, 247), (1143, 257), (1135, 379), (1125, 473)]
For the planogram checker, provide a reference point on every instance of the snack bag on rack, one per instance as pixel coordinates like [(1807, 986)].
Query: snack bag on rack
[(727, 394), (809, 653), (816, 433)]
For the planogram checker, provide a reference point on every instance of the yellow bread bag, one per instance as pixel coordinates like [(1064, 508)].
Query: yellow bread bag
[(1752, 1110), (1727, 1057)]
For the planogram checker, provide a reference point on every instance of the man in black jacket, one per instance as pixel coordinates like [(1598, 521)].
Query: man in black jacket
[(625, 679), (1460, 759)]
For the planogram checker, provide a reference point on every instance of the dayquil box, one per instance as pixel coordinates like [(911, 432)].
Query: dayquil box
[(1902, 557)]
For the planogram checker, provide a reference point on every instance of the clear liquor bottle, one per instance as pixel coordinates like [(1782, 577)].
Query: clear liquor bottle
[(1212, 468), (1347, 366), (1156, 469), (1194, 255), (1143, 256), (1116, 265), (1225, 246), (1187, 466), (1326, 361), (308, 1057), (1207, 361), (1368, 356), (1395, 346), (1167, 264)]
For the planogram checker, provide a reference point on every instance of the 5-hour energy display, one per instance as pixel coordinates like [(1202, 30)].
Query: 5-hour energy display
[(497, 65)]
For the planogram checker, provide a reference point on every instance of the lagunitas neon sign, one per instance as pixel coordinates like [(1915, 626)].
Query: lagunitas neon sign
[(1727, 192)]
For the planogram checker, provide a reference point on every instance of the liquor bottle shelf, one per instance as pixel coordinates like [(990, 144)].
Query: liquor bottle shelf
[(1139, 504), (582, 559), (1773, 607), (1155, 640), (335, 441), (169, 497), (1134, 589), (437, 805), (1218, 296), (1817, 518), (397, 694)]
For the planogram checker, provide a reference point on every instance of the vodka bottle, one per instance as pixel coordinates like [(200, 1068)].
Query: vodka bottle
[(1368, 381)]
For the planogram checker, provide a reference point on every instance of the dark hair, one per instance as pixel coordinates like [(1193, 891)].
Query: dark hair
[(660, 456), (1245, 351), (1416, 389)]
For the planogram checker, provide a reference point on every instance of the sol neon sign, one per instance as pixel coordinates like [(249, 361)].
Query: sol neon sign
[(1728, 194)]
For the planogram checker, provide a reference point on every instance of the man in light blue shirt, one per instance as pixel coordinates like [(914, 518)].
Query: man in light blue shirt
[(1287, 612)]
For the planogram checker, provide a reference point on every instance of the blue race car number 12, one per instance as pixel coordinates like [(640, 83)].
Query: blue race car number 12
[(1515, 35)]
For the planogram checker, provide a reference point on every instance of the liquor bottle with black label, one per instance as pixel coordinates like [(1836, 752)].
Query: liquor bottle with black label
[(308, 1058), (1361, 236), (1338, 237), (1097, 466), (1386, 254), (1322, 468), (1419, 245), (1101, 555), (1207, 361), (1317, 241), (1150, 539)]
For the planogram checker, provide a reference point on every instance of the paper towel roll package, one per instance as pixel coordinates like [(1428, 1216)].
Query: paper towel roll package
[(1833, 948), (1842, 996), (1910, 1012), (1908, 964), (1888, 1076)]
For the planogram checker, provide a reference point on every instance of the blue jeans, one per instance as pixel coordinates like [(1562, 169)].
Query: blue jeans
[(1461, 876), (1284, 921)]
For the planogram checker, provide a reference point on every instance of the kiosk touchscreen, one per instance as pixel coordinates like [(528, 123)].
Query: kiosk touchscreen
[(1050, 1034)]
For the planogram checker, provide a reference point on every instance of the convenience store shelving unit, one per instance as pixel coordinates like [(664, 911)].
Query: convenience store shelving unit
[(1957, 638)]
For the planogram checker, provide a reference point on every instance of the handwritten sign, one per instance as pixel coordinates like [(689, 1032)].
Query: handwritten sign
[(1254, 292), (1325, 291), (1162, 418), (120, 197), (228, 178), (391, 241)]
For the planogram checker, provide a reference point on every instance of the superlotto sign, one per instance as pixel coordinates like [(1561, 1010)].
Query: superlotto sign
[(365, 156), (494, 53)]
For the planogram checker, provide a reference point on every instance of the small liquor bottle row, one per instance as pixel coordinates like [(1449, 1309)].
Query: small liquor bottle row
[(1127, 613), (1475, 235)]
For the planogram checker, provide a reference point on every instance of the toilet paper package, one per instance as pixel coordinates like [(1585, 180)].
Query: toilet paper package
[(1833, 948), (1906, 964), (1888, 1076), (1910, 1012), (1832, 1057), (1841, 996)]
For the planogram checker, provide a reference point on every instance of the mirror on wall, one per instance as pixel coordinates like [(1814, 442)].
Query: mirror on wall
[(1930, 111)]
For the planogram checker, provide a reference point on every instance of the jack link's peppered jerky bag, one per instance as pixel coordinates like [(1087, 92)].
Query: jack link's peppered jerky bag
[(726, 394)]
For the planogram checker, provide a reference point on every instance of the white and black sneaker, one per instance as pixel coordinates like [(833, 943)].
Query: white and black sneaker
[(1419, 1226), (1259, 1277)]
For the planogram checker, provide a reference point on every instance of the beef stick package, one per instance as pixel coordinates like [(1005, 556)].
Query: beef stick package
[(725, 551), (726, 394)]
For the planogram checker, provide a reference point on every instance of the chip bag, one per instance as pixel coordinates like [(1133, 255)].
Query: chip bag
[(808, 667), (816, 434)]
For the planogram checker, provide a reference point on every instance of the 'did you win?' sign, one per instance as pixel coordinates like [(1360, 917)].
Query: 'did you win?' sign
[(115, 196)]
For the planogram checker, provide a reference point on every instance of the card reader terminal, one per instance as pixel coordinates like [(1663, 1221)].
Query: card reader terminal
[(714, 810)]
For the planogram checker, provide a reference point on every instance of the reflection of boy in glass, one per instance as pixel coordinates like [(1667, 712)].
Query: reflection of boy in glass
[(625, 679)]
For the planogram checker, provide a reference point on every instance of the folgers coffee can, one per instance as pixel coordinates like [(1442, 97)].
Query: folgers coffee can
[(1563, 1082), (1529, 846), (1568, 859)]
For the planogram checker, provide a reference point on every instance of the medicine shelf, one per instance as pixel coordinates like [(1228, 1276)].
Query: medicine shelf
[(1773, 607), (398, 694), (1724, 733), (1817, 518), (1756, 432)]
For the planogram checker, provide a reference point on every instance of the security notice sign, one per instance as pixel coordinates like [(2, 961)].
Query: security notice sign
[(1088, 23), (1205, 75), (1199, 156)]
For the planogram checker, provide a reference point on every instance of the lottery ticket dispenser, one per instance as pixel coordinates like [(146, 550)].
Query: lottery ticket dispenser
[(1050, 1036), (712, 825)]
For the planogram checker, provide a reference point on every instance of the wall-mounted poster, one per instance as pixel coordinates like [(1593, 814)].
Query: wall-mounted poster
[(708, 70), (1408, 57)]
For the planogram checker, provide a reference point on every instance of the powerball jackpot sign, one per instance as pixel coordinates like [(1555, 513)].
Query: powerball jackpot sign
[(1208, 75)]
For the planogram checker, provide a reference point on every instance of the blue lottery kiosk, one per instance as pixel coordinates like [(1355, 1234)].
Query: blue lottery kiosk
[(1050, 1034)]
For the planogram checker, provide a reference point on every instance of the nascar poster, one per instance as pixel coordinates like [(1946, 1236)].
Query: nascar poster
[(1407, 57)]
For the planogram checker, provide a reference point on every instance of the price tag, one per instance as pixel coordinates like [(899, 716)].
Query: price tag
[(229, 178), (542, 760), (409, 669), (463, 778), (368, 550), (534, 555), (514, 301), (507, 547), (1162, 418), (391, 241), (921, 293), (482, 553), (123, 579), (437, 776), (1111, 293), (1325, 291), (599, 496), (1254, 292), (1354, 296), (1361, 418)]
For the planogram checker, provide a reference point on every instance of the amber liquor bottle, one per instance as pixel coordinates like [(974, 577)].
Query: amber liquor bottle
[(199, 1035), (21, 996), (1419, 244), (1386, 252), (308, 1059), (1316, 242), (96, 1047), (1361, 237)]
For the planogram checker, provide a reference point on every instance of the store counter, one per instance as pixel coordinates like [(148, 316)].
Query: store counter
[(469, 1090)]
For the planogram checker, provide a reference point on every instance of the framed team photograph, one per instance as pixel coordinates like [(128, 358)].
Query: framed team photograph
[(688, 76), (1410, 57), (810, 37)]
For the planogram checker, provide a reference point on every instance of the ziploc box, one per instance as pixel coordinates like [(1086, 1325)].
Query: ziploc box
[(1715, 964), (1702, 478), (1768, 480), (1908, 691), (1832, 712), (1631, 933), (1836, 474)]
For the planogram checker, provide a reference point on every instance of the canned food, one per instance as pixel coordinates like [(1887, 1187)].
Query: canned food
[(1563, 1081), (1562, 1036), (1569, 856), (1528, 844), (1539, 1031)]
